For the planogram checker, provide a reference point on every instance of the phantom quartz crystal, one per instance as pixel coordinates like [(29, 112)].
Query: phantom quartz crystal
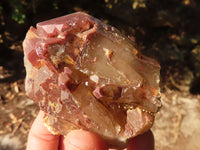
[(84, 74)]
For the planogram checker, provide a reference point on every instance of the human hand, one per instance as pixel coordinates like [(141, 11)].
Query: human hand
[(41, 139)]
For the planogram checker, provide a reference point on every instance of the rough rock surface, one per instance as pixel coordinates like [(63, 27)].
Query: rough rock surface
[(86, 75)]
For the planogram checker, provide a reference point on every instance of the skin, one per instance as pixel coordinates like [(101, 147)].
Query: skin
[(41, 139)]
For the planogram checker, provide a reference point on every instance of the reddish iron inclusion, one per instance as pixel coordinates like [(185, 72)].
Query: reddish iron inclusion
[(84, 74)]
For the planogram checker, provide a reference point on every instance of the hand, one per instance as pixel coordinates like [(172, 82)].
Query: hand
[(41, 139)]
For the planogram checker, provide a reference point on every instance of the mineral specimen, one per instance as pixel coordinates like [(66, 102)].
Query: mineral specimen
[(84, 74)]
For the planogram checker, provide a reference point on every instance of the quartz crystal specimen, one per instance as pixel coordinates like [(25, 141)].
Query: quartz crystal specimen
[(84, 74)]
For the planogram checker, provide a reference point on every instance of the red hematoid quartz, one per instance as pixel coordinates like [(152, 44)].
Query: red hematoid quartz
[(84, 74)]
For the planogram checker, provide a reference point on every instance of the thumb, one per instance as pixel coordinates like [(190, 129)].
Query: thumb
[(82, 140), (142, 142)]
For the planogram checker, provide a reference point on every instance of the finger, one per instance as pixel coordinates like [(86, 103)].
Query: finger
[(40, 138), (82, 140), (142, 142)]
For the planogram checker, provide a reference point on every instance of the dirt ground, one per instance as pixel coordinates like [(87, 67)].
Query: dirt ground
[(177, 124), (167, 31)]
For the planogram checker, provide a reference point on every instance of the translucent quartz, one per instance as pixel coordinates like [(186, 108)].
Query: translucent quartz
[(86, 75)]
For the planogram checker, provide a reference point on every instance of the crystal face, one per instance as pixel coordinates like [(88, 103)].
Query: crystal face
[(84, 74)]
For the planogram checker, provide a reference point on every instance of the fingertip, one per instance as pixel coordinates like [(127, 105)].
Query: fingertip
[(84, 140), (39, 129), (40, 138), (142, 142)]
